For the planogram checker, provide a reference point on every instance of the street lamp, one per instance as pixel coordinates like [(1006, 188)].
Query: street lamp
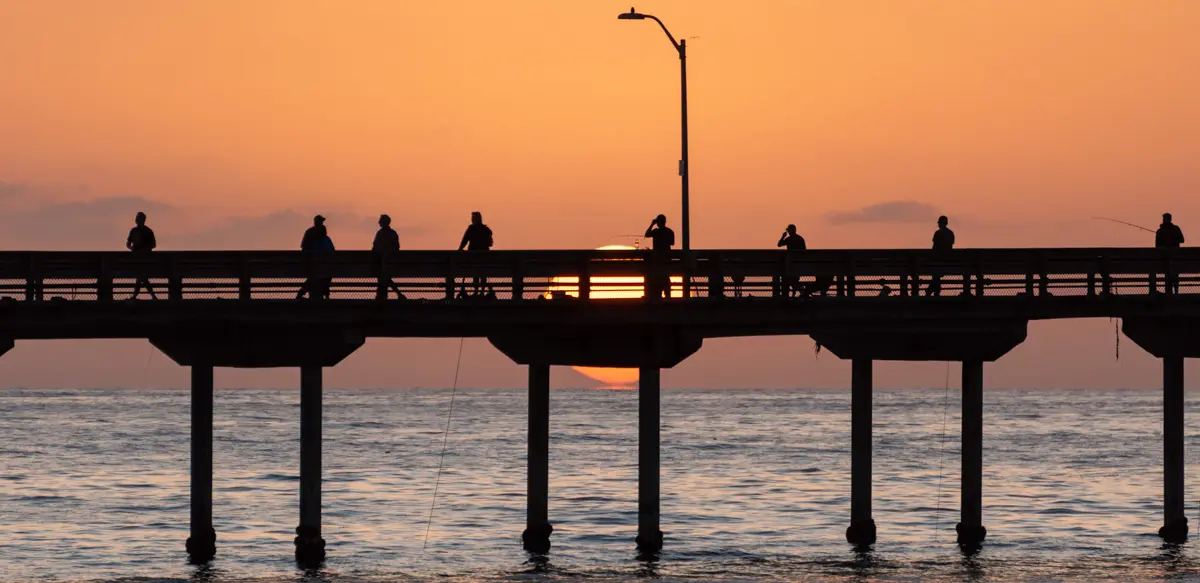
[(681, 48)]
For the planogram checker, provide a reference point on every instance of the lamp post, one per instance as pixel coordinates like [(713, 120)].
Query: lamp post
[(681, 48)]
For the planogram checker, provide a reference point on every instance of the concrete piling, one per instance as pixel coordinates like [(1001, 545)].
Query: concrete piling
[(310, 547), (1175, 527), (650, 536), (202, 540), (971, 531), (862, 526), (536, 538)]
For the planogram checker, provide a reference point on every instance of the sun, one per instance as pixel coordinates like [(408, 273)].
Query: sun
[(610, 288)]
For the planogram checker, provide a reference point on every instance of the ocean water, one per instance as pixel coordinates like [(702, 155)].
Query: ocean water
[(93, 487)]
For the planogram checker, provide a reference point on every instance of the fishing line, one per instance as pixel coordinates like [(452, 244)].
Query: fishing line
[(1128, 224), (445, 440), (937, 513)]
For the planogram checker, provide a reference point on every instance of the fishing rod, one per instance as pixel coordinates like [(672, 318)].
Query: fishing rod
[(1124, 223)]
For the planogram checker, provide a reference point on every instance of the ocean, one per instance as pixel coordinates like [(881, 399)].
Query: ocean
[(94, 487)]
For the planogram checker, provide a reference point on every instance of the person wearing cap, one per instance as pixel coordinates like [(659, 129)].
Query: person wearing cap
[(141, 240), (387, 241), (1169, 236), (316, 238)]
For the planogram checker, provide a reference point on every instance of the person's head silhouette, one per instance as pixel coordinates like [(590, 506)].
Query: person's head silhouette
[(943, 221), (140, 219), (318, 221), (661, 220), (384, 220), (1167, 218), (791, 229), (476, 218)]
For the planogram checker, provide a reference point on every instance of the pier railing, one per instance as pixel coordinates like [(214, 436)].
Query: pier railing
[(531, 275)]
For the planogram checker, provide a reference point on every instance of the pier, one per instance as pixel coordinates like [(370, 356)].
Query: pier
[(565, 308)]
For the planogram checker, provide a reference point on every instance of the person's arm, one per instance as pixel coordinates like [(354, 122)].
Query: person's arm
[(463, 244), (377, 243), (152, 243), (129, 241), (650, 230), (782, 240), (1180, 231)]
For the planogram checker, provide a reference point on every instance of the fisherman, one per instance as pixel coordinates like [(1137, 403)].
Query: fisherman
[(1169, 236), (658, 284), (477, 237), (386, 242), (943, 240), (141, 240), (790, 284)]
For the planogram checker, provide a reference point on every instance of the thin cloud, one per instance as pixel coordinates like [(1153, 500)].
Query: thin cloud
[(900, 211)]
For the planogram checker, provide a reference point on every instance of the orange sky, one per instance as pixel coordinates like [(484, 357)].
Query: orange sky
[(232, 122)]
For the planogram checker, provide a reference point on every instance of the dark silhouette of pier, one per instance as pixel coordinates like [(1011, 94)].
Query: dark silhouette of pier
[(239, 309)]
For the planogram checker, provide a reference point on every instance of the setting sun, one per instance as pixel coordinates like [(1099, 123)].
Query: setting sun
[(610, 288)]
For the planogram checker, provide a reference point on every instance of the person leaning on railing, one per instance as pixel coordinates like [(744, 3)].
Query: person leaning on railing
[(943, 240), (1169, 236), (477, 237)]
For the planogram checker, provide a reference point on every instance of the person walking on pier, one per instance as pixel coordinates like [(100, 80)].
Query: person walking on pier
[(1169, 236), (477, 237), (662, 239), (790, 285), (141, 240), (387, 241), (316, 238), (943, 240)]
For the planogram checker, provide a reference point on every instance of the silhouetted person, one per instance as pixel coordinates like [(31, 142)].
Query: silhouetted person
[(477, 237), (141, 240), (943, 240), (387, 241), (1169, 236), (790, 285), (316, 238), (662, 239)]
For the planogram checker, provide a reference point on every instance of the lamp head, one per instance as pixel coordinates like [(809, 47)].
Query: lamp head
[(631, 15)]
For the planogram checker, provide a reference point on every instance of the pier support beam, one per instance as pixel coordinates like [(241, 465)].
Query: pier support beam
[(202, 539), (1175, 527), (971, 531), (650, 536), (862, 527), (310, 547), (536, 538)]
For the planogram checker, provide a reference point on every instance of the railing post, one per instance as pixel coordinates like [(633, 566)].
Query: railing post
[(1091, 283), (848, 268), (716, 276), (174, 283), (33, 282), (518, 282), (104, 282), (451, 276), (585, 280), (1168, 274), (244, 282), (979, 275), (1106, 275), (1043, 278)]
